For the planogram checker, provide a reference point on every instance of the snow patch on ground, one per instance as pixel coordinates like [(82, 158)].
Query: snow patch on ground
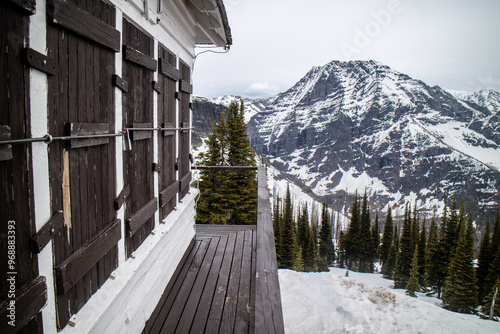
[(329, 302)]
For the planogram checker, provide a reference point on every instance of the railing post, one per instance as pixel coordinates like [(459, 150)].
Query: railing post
[(268, 310)]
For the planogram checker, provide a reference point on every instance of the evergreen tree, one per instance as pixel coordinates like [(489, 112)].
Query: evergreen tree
[(211, 209), (241, 184), (228, 197), (298, 262), (288, 243), (387, 237), (326, 248), (341, 250), (422, 256), (364, 240), (413, 285), (415, 225), (402, 270), (460, 287), (493, 296), (313, 246), (495, 240), (493, 272), (303, 238), (436, 263), (392, 257), (484, 260), (277, 226), (376, 237), (449, 240), (351, 248)]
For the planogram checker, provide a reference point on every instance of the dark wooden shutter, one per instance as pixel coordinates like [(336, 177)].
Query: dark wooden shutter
[(81, 38), (185, 91), (16, 204), (167, 81), (138, 69)]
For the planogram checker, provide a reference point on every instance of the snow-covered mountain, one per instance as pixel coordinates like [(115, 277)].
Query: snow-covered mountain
[(351, 126)]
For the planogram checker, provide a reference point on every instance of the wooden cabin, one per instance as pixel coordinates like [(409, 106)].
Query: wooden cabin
[(97, 212)]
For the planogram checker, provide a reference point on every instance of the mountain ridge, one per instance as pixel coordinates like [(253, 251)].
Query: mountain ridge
[(348, 126)]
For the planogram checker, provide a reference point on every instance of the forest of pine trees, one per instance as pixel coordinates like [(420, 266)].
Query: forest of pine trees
[(228, 197), (437, 258), (302, 244)]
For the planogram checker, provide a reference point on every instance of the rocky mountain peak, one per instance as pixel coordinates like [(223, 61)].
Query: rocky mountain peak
[(357, 125)]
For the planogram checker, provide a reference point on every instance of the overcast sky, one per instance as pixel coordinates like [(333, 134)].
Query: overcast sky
[(451, 43)]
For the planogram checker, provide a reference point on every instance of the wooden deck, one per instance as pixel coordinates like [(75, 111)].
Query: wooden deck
[(227, 282), (213, 289)]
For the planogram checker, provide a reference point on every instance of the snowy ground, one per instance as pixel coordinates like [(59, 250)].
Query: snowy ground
[(365, 303)]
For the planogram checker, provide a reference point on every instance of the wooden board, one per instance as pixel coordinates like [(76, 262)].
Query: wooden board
[(167, 194), (78, 20), (120, 83), (169, 70), (139, 58), (29, 6), (267, 291), (82, 180), (139, 134), (138, 113), (71, 270), (39, 61), (167, 140), (135, 222), (84, 129), (46, 233), (16, 166)]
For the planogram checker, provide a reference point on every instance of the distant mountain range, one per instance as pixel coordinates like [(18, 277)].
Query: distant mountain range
[(351, 126)]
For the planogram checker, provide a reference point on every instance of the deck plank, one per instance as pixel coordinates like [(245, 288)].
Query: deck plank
[(215, 315), (212, 290), (183, 294), (203, 311), (192, 303), (242, 321), (171, 291), (231, 300)]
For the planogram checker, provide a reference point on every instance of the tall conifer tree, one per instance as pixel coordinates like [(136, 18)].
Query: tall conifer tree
[(485, 258), (326, 248), (277, 226), (413, 285), (351, 247), (392, 257), (422, 255), (376, 237), (228, 197), (387, 237), (288, 243), (241, 184), (435, 260), (402, 270), (364, 239), (460, 287)]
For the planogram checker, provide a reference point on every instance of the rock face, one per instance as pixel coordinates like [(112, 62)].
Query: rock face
[(204, 113), (351, 126)]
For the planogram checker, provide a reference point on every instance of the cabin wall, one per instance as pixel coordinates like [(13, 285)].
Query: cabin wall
[(124, 302)]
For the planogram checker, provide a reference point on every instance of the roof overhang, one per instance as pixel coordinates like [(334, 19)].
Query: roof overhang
[(212, 27)]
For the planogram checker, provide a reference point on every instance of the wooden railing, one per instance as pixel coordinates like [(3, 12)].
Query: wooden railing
[(268, 309)]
